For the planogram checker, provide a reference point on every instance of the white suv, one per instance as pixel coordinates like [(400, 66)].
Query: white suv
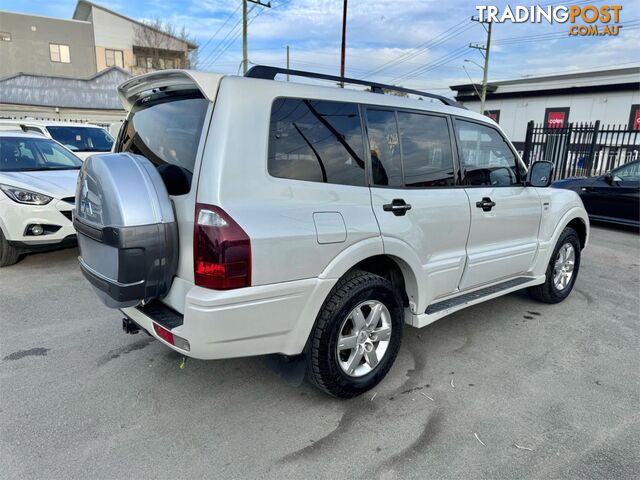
[(38, 179), (83, 139), (247, 216)]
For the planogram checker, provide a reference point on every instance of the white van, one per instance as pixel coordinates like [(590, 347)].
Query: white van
[(249, 216), (83, 139)]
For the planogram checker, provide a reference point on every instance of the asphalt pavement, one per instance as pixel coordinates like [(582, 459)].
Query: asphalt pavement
[(507, 389)]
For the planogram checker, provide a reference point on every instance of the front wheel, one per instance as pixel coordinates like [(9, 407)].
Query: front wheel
[(357, 335), (8, 253), (562, 270)]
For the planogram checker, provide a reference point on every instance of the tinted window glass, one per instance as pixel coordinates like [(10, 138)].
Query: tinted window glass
[(316, 140), (24, 154), (486, 157), (629, 172), (426, 150), (82, 139), (384, 147), (166, 129)]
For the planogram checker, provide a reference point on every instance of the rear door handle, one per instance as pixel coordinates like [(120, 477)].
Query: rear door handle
[(486, 204), (397, 206)]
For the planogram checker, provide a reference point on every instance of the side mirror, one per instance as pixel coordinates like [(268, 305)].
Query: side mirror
[(540, 174), (608, 177)]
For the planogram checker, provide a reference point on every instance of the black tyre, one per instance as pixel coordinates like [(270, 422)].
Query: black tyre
[(357, 335), (562, 270), (8, 254)]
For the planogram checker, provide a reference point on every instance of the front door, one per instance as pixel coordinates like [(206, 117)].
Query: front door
[(505, 214), (422, 214), (616, 199)]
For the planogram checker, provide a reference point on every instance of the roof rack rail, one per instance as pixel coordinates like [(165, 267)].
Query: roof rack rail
[(269, 73)]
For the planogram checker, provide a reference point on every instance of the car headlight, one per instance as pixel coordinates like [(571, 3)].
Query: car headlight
[(22, 195)]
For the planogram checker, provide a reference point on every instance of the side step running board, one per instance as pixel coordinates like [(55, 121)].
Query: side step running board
[(475, 295)]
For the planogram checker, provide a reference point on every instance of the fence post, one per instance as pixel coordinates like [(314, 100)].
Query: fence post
[(592, 150), (526, 155)]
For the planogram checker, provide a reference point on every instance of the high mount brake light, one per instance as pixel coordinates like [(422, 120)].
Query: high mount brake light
[(221, 250)]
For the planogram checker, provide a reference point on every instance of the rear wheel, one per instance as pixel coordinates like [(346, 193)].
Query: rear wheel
[(562, 270), (8, 253), (357, 335)]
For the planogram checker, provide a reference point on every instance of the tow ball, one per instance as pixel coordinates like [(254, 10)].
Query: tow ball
[(129, 326)]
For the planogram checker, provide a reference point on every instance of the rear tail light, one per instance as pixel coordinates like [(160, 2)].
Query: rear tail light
[(221, 250)]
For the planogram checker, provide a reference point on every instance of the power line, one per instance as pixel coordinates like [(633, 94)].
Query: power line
[(202, 47), (446, 35)]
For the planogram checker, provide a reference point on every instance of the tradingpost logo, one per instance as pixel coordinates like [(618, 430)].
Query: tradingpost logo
[(584, 21)]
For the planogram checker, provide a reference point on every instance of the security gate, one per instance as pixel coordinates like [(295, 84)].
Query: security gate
[(581, 149)]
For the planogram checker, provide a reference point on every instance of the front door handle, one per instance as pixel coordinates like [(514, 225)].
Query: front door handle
[(397, 206), (486, 204)]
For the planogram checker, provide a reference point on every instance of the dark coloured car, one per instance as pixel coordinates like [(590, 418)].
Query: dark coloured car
[(613, 197)]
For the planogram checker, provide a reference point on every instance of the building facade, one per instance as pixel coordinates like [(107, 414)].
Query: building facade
[(46, 46), (94, 39), (610, 96), (131, 45)]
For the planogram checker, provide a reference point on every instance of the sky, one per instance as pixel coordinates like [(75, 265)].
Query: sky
[(415, 43)]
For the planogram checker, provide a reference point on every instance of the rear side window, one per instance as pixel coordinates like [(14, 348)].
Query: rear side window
[(166, 129), (486, 159), (386, 167), (317, 141), (427, 156)]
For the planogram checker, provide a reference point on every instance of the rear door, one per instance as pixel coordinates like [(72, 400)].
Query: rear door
[(505, 214), (421, 212)]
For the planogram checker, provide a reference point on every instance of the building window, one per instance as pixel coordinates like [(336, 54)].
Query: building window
[(556, 117), (114, 58), (493, 115), (634, 118), (59, 53), (5, 36)]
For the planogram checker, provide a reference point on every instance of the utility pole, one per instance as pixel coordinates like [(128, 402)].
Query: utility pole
[(245, 55), (484, 49), (344, 40), (287, 62)]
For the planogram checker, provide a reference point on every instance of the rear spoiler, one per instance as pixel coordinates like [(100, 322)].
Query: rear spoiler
[(137, 87)]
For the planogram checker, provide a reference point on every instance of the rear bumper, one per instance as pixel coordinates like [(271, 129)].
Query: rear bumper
[(258, 320)]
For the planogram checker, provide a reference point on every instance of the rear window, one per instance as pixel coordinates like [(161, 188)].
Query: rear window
[(316, 141), (166, 129), (82, 139)]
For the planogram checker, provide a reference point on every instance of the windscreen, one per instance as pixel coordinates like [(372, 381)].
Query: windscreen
[(23, 154), (82, 139), (166, 129)]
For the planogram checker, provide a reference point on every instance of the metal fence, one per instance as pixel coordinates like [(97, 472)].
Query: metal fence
[(581, 149)]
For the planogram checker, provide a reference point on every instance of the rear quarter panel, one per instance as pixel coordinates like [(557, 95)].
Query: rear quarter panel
[(276, 213)]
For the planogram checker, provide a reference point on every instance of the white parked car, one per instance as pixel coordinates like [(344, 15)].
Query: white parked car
[(37, 185), (83, 139), (248, 216)]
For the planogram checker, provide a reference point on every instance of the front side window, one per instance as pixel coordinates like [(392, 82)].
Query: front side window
[(629, 173), (317, 141), (486, 159), (427, 156), (384, 147), (166, 129), (82, 139), (27, 154), (114, 58), (59, 53)]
